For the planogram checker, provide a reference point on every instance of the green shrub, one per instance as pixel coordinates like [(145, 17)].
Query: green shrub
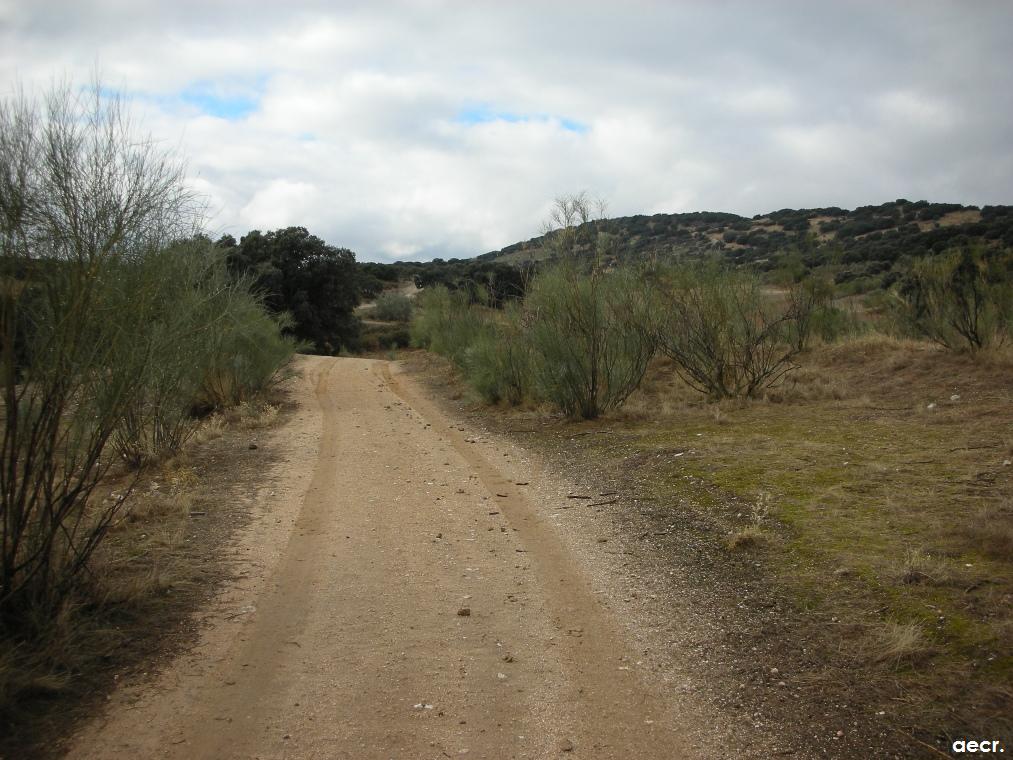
[(164, 326), (444, 324), (589, 344), (724, 337), (393, 307), (498, 360), (208, 342), (962, 300), (247, 347), (832, 324), (106, 334), (81, 197)]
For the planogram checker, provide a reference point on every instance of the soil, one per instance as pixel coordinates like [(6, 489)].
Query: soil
[(405, 589)]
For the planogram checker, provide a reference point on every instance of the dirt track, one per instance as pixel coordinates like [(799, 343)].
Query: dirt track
[(345, 638)]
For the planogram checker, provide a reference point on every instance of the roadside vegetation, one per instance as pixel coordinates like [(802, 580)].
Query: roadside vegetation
[(962, 300), (584, 334), (393, 307), (122, 330), (852, 455)]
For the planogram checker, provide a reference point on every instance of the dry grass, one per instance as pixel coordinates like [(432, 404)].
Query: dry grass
[(754, 534), (210, 429), (255, 415), (141, 560), (898, 644), (747, 538), (966, 216), (921, 567), (807, 384), (885, 458), (249, 415)]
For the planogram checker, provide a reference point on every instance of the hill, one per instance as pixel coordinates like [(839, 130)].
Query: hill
[(860, 244), (862, 250)]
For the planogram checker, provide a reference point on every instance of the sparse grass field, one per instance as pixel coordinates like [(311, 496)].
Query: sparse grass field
[(872, 494), (886, 472)]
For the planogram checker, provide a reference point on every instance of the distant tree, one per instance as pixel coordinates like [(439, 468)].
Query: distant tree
[(226, 242), (298, 273), (578, 227), (369, 285), (488, 282), (384, 272)]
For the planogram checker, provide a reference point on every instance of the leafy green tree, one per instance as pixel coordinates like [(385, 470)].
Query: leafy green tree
[(298, 273)]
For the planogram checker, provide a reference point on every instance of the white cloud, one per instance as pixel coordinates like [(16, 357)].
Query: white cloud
[(762, 101), (349, 121), (912, 110), (279, 204)]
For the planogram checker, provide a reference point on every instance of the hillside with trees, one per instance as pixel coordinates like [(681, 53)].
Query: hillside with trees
[(864, 249)]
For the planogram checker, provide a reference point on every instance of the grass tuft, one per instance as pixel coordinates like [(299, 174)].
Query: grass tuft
[(748, 538), (921, 567), (898, 644)]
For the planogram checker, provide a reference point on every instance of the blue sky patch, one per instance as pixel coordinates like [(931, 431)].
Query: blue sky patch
[(572, 125), (202, 96), (485, 114), (222, 106)]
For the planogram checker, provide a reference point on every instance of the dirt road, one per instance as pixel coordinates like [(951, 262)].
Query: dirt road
[(402, 598)]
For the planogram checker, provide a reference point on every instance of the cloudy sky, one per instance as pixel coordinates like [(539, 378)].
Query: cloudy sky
[(421, 129)]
